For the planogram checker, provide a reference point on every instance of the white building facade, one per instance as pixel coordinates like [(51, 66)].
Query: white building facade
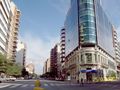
[(21, 53), (5, 16)]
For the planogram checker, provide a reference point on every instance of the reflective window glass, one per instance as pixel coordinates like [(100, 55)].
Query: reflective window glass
[(85, 6), (88, 24), (86, 1), (87, 12), (87, 18)]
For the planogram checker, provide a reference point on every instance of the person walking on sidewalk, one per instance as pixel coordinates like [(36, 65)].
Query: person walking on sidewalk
[(82, 82)]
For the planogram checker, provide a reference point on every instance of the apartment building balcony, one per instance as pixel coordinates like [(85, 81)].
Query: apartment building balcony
[(14, 46), (89, 64), (15, 37), (15, 42)]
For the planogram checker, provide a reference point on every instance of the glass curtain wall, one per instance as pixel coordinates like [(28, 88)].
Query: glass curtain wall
[(87, 22)]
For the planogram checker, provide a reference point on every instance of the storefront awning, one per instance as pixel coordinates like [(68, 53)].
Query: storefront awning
[(86, 71)]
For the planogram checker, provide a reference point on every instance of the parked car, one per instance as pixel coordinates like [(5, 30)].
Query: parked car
[(12, 78), (2, 80)]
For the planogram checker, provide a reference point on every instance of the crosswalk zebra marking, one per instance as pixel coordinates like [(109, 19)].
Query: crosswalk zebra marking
[(5, 86), (14, 86), (24, 85), (46, 84)]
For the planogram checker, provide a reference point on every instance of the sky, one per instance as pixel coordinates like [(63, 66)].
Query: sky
[(41, 21)]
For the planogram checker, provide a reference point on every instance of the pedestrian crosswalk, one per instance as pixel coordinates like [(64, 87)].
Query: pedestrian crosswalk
[(79, 86), (13, 85), (45, 85), (58, 84)]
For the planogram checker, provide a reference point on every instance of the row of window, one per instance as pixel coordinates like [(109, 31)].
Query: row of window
[(88, 39), (86, 1), (86, 6), (88, 58)]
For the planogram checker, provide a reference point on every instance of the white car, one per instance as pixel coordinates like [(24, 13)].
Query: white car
[(12, 78), (2, 80)]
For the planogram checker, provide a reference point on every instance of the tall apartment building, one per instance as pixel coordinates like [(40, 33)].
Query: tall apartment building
[(5, 18), (117, 51), (89, 47), (48, 65), (46, 68), (21, 53), (55, 61), (13, 35), (62, 45)]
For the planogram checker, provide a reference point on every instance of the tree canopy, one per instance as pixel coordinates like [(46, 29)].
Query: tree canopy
[(9, 67)]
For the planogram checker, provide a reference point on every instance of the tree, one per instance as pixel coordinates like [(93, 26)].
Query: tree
[(24, 72), (14, 70), (3, 61)]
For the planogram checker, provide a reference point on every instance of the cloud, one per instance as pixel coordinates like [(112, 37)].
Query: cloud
[(38, 50)]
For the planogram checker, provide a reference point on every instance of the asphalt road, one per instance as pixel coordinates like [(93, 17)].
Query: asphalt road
[(57, 85)]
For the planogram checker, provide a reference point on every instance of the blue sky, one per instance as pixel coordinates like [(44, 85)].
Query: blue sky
[(41, 21)]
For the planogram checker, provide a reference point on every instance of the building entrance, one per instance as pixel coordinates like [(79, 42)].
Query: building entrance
[(89, 75)]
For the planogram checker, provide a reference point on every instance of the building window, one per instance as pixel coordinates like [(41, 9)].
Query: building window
[(95, 58), (111, 64), (89, 57), (82, 59)]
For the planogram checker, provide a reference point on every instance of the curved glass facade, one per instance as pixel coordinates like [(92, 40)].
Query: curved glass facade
[(87, 22)]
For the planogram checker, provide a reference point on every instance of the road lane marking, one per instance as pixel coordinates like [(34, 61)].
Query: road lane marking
[(32, 85), (5, 86), (14, 86), (46, 84), (24, 85)]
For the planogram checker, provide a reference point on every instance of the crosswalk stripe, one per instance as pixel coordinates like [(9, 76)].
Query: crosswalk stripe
[(24, 85), (45, 84), (32, 85), (5, 86), (14, 86)]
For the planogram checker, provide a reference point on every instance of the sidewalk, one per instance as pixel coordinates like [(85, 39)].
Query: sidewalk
[(102, 82)]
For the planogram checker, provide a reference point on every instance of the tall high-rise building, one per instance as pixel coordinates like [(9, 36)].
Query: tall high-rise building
[(55, 61), (62, 45), (13, 34), (21, 53), (89, 47), (5, 18), (48, 65), (117, 51), (45, 68)]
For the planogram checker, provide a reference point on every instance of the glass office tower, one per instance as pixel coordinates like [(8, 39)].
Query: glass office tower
[(89, 40), (87, 25)]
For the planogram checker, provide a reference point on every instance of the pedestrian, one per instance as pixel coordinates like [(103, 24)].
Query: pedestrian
[(82, 82), (69, 79)]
